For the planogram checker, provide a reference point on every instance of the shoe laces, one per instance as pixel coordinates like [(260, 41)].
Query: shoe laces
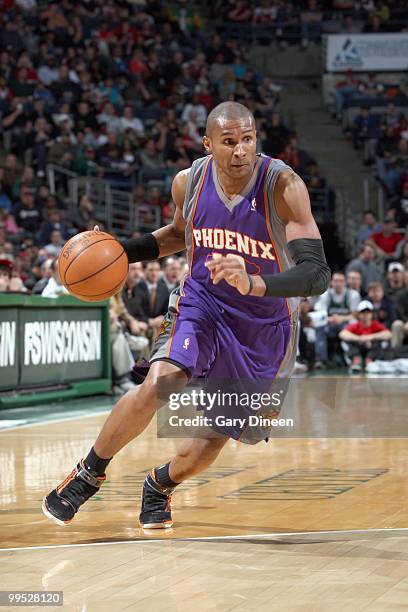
[(78, 490), (153, 500)]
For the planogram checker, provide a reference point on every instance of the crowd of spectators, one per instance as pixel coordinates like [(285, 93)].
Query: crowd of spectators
[(379, 131), (373, 112), (121, 90), (305, 22), (363, 316)]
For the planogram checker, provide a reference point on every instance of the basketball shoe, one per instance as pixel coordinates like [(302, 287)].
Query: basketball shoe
[(156, 511), (63, 503)]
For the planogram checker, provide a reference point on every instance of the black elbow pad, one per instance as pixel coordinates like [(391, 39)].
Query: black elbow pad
[(310, 276)]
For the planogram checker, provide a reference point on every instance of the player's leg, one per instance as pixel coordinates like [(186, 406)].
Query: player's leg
[(134, 411), (193, 456), (128, 419)]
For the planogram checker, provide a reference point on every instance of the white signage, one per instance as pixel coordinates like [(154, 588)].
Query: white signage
[(7, 343), (366, 52), (50, 342)]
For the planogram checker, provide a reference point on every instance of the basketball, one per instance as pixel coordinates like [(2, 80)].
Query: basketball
[(93, 266)]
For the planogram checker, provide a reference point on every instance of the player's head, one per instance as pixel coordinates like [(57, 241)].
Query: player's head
[(231, 138)]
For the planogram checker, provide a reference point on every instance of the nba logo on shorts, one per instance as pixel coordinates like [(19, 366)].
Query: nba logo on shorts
[(186, 343), (253, 204)]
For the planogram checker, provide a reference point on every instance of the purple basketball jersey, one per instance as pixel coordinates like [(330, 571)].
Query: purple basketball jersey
[(241, 226)]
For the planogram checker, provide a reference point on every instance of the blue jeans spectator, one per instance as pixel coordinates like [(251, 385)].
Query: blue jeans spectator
[(323, 335)]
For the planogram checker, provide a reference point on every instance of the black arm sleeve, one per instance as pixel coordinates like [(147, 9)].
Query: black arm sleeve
[(144, 248), (310, 275)]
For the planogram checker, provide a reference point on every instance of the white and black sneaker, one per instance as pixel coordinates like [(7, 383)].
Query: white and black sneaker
[(156, 509)]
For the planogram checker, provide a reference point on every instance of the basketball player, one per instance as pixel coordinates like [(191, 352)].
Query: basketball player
[(253, 248)]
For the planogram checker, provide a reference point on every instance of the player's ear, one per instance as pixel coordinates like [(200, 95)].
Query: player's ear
[(207, 144)]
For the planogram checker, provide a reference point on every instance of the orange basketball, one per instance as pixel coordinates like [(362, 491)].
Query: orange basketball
[(93, 266)]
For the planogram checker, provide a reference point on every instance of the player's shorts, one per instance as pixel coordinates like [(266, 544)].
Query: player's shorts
[(227, 353)]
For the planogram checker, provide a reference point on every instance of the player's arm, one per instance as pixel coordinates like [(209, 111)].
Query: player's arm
[(167, 240), (309, 276)]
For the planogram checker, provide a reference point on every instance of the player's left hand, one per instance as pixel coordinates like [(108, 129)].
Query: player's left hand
[(232, 269)]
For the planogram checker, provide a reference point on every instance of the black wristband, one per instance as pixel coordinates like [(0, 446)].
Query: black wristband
[(144, 248)]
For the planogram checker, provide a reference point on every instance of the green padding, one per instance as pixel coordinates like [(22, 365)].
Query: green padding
[(91, 387), (46, 341)]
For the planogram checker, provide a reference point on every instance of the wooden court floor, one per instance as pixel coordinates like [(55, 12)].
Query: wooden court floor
[(302, 524)]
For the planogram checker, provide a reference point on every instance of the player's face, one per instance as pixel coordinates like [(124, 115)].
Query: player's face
[(233, 146)]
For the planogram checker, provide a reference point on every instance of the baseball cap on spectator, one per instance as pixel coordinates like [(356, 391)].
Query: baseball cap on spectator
[(6, 264), (364, 305), (395, 266)]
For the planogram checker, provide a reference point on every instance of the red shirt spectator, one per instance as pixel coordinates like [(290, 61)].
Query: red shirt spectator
[(360, 330), (387, 241)]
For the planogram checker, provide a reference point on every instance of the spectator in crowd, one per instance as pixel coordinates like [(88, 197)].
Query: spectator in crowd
[(307, 335), (297, 158), (400, 326), (383, 308), (366, 265), (26, 212), (53, 223), (132, 297), (313, 179), (349, 25), (344, 89), (370, 226), (395, 279), (154, 296), (386, 152), (402, 253), (311, 23), (122, 357), (46, 273), (54, 288), (129, 122), (365, 131), (396, 168), (171, 272), (340, 303), (364, 337), (6, 268), (354, 281), (130, 324), (84, 215), (55, 245)]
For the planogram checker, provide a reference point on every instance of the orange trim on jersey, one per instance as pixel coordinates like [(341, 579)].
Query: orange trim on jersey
[(192, 253), (269, 230), (194, 210)]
